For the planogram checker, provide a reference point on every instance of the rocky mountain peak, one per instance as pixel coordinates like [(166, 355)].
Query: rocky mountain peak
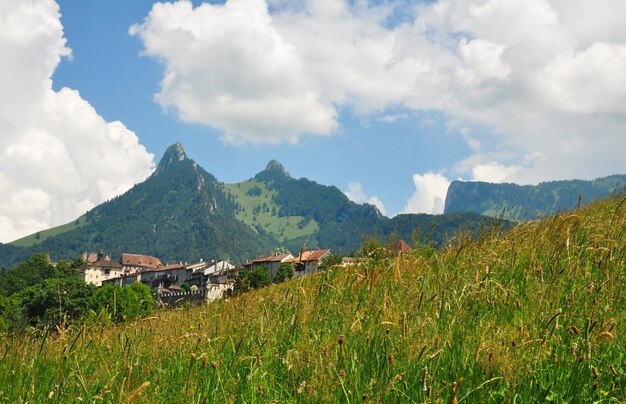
[(172, 156)]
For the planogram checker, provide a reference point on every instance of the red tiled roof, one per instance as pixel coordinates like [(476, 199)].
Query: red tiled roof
[(313, 255), (137, 260), (102, 263)]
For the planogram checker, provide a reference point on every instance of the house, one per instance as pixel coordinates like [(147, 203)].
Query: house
[(271, 262), (136, 262), (308, 262), (166, 276), (101, 269), (123, 280), (200, 272)]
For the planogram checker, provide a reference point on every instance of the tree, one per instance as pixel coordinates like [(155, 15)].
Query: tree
[(30, 272), (242, 283), (126, 303), (253, 279), (259, 277), (55, 301), (285, 271), (185, 287)]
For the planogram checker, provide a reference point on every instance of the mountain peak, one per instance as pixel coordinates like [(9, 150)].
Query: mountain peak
[(273, 171), (172, 155), (276, 166)]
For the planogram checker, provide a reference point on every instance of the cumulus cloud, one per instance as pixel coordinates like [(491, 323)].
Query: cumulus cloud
[(227, 66), (58, 157), (356, 194), (493, 172), (430, 194), (536, 76)]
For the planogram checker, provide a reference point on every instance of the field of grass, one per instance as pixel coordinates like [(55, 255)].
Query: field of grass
[(39, 237), (281, 228), (537, 314)]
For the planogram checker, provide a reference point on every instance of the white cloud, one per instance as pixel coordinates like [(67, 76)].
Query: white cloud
[(493, 172), (228, 67), (356, 194), (430, 194), (58, 157), (536, 76)]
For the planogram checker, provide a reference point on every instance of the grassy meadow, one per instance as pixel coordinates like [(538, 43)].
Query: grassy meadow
[(261, 210), (532, 315)]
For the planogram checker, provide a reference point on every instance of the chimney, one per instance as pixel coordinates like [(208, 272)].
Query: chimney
[(100, 254)]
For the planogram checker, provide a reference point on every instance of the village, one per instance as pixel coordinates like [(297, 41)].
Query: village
[(201, 280)]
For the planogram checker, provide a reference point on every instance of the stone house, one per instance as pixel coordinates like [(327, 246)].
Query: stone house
[(271, 263), (100, 270), (308, 262)]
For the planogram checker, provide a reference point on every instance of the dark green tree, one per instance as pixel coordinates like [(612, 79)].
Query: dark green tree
[(55, 301), (126, 303), (285, 271), (259, 277)]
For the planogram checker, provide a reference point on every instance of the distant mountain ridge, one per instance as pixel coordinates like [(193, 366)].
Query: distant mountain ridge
[(181, 213), (520, 202)]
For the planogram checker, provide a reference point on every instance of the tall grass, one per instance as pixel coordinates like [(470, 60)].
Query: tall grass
[(531, 315)]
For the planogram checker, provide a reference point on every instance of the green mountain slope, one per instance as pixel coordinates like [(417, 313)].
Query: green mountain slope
[(297, 211), (519, 202), (181, 212)]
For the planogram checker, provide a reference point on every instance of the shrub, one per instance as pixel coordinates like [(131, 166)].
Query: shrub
[(126, 303), (285, 271)]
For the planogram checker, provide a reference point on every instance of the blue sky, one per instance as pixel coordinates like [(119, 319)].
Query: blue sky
[(109, 71), (388, 100)]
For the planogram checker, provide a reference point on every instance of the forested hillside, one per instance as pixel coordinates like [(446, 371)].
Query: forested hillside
[(519, 202), (178, 213), (183, 213)]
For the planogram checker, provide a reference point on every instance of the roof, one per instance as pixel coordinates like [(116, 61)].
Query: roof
[(313, 255), (102, 263), (269, 258), (400, 247), (137, 260), (165, 268)]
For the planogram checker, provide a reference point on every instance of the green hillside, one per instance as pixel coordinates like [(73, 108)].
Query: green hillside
[(532, 315), (256, 208), (183, 213), (521, 202), (43, 235), (179, 213)]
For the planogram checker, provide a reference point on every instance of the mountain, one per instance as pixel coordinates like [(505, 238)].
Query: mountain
[(178, 213), (297, 211), (181, 212), (520, 202)]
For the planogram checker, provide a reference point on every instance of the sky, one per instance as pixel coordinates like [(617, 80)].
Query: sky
[(388, 100)]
